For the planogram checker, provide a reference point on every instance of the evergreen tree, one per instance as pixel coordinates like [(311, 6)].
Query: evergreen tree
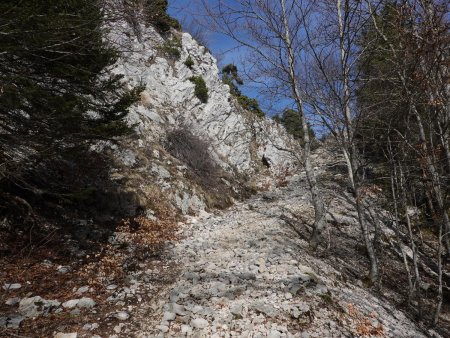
[(56, 96), (291, 121), (156, 12)]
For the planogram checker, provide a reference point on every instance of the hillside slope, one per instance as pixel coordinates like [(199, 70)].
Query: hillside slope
[(194, 248)]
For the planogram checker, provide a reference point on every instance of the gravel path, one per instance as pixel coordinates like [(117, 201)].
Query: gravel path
[(245, 273)]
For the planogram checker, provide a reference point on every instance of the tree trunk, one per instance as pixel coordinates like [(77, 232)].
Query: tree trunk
[(417, 279), (350, 152), (439, 295), (319, 207)]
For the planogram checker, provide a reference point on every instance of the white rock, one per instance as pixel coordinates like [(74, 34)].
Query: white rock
[(169, 98), (36, 306), (199, 323), (274, 334), (63, 269), (12, 301), (70, 304), (82, 290), (118, 328), (122, 315), (66, 335), (86, 302), (163, 328), (197, 309), (168, 316), (186, 329), (87, 327), (178, 309), (13, 286)]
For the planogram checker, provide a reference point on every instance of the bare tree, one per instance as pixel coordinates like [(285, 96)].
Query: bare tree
[(196, 29), (416, 54), (272, 34), (330, 87)]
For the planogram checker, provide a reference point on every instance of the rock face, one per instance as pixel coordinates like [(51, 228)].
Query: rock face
[(236, 139)]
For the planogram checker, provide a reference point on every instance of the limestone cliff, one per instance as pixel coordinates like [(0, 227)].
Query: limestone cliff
[(236, 139)]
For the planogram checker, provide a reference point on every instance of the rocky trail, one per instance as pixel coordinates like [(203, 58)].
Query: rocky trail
[(245, 272), (242, 272)]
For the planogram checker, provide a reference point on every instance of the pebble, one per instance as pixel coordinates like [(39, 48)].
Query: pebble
[(86, 302), (66, 335), (118, 328), (199, 323), (186, 329), (178, 309), (266, 309), (82, 290), (36, 306), (168, 316), (197, 309), (75, 312), (248, 279), (236, 311), (13, 286), (163, 328), (12, 301), (274, 334), (122, 315), (87, 327), (70, 304), (63, 269), (11, 321)]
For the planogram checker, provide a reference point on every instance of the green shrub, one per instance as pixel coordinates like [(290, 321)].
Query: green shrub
[(231, 78), (172, 47), (292, 122), (156, 14), (251, 105), (189, 62), (201, 91)]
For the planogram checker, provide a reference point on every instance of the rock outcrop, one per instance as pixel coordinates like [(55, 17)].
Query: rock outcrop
[(236, 139)]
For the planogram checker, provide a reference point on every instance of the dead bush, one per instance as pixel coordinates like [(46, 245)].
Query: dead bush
[(219, 187), (193, 151)]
